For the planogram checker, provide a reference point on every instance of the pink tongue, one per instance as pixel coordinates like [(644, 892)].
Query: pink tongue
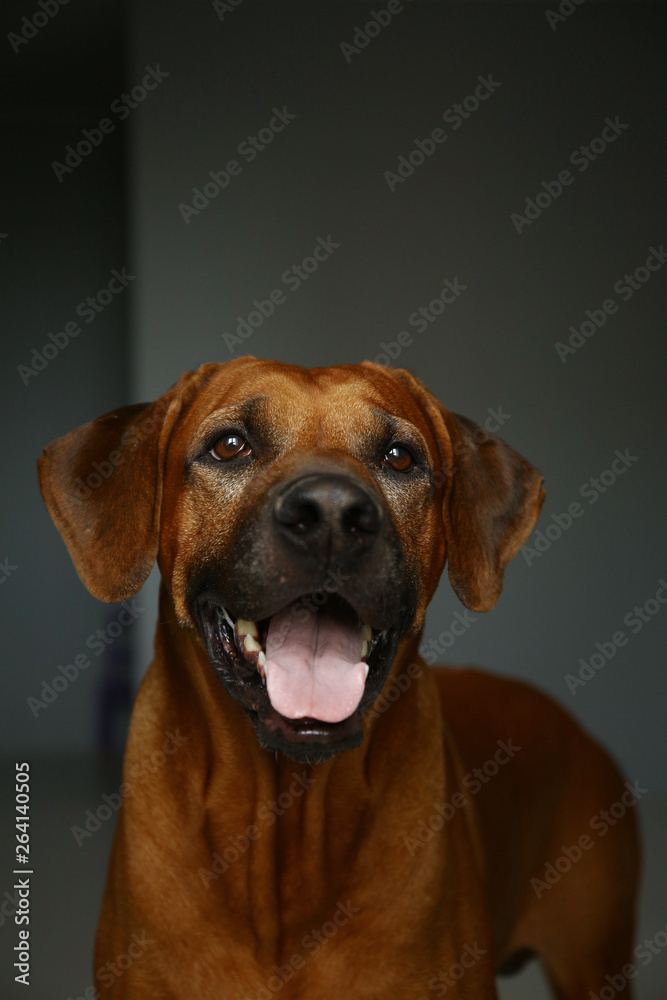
[(313, 667)]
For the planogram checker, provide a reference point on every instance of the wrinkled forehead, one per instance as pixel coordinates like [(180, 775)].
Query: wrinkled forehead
[(337, 407)]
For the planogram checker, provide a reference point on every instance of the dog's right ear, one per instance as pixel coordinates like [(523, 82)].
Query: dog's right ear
[(102, 486)]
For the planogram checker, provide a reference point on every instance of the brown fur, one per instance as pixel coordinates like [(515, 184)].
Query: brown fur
[(414, 912)]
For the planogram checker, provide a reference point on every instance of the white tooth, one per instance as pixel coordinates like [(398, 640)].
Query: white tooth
[(365, 671), (261, 659), (366, 633), (251, 644), (245, 627), (364, 648), (225, 615)]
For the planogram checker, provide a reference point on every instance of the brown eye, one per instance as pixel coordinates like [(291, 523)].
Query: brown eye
[(398, 458), (230, 446)]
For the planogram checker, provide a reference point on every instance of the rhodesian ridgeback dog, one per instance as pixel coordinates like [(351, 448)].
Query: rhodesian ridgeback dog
[(335, 819)]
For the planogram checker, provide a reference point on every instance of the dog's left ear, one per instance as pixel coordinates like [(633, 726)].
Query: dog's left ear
[(491, 502), (102, 486)]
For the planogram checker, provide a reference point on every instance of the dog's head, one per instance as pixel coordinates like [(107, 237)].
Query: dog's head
[(301, 520)]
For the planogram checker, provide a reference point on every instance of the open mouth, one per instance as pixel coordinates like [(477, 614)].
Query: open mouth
[(305, 674)]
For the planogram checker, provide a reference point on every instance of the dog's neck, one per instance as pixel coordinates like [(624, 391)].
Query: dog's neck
[(292, 829)]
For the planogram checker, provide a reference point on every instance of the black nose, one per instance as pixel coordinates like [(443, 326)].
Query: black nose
[(328, 515)]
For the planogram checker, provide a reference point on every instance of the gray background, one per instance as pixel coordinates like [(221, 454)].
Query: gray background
[(493, 348)]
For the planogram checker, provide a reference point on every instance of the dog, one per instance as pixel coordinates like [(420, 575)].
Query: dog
[(334, 818)]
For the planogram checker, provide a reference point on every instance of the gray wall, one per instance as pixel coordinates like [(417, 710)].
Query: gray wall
[(493, 347), (323, 175), (62, 240)]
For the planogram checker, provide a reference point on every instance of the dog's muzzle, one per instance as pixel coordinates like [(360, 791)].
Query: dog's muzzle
[(302, 631)]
